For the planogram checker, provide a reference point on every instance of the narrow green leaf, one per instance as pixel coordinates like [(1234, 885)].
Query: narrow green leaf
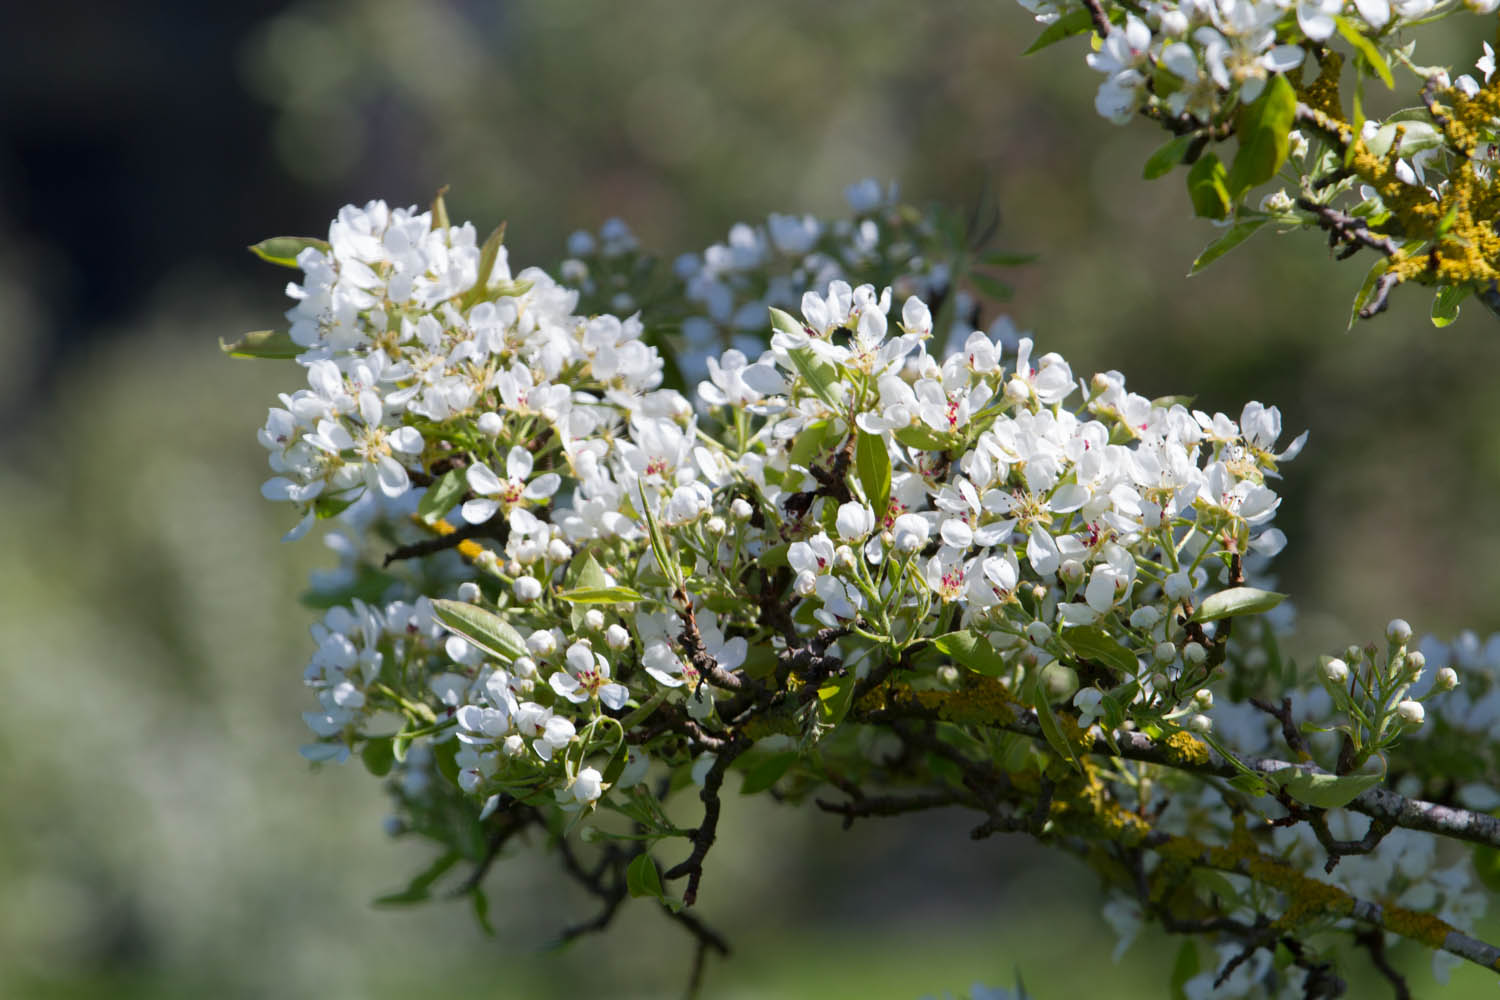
[(1237, 601), (265, 344), (834, 699), (1075, 22), (1092, 643), (1326, 791), (1445, 304), (1184, 967), (923, 438), (602, 595), (1206, 187), (1036, 693), (820, 377), (488, 253), (806, 449), (767, 772), (482, 909), (1161, 162), (418, 889), (1367, 288), (785, 322), (442, 496), (1006, 258), (283, 250), (1263, 129), (642, 878), (484, 629), (971, 650), (872, 461), (1366, 49), (1238, 233), (991, 286)]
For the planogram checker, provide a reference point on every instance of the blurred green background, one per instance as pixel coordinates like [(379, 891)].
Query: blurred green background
[(160, 836)]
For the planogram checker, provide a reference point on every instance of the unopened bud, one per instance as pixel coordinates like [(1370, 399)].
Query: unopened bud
[(1398, 631), (593, 619), (1201, 723), (1336, 670), (616, 638), (741, 510), (716, 526), (948, 674), (1071, 571), (1194, 653), (1411, 712), (1446, 679), (1203, 698), (468, 591), (1038, 633), (1164, 652), (1177, 586), (527, 588)]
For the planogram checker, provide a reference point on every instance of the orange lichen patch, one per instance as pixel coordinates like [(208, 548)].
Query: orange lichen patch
[(1323, 93), (468, 548), (981, 701)]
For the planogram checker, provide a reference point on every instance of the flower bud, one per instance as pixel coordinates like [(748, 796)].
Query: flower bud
[(593, 619), (559, 551), (616, 638), (844, 557), (1017, 391), (948, 674), (490, 424), (1177, 586), (1446, 679), (1144, 617), (1201, 723), (910, 532), (1164, 652), (1416, 662), (1398, 631), (1203, 698), (468, 591), (1038, 633), (1411, 712), (1336, 671), (527, 588), (1194, 653), (716, 526), (806, 583), (740, 509), (524, 666), (541, 642), (1071, 571)]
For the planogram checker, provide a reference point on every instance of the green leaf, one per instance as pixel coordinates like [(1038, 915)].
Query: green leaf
[(487, 255), (1251, 786), (785, 322), (1036, 694), (970, 650), (484, 629), (1237, 601), (642, 878), (1092, 643), (1161, 162), (991, 286), (283, 250), (872, 461), (1366, 49), (819, 376), (923, 438), (1367, 288), (1238, 233), (442, 496), (806, 448), (1075, 22), (767, 772), (602, 595), (1006, 258), (1263, 130), (835, 697), (1184, 967), (1445, 304), (1326, 791), (272, 344), (482, 909), (1206, 187), (379, 756), (418, 889)]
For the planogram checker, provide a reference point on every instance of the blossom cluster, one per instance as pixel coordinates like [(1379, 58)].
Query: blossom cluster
[(561, 575)]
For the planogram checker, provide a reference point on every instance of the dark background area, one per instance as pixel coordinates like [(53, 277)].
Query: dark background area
[(161, 836)]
